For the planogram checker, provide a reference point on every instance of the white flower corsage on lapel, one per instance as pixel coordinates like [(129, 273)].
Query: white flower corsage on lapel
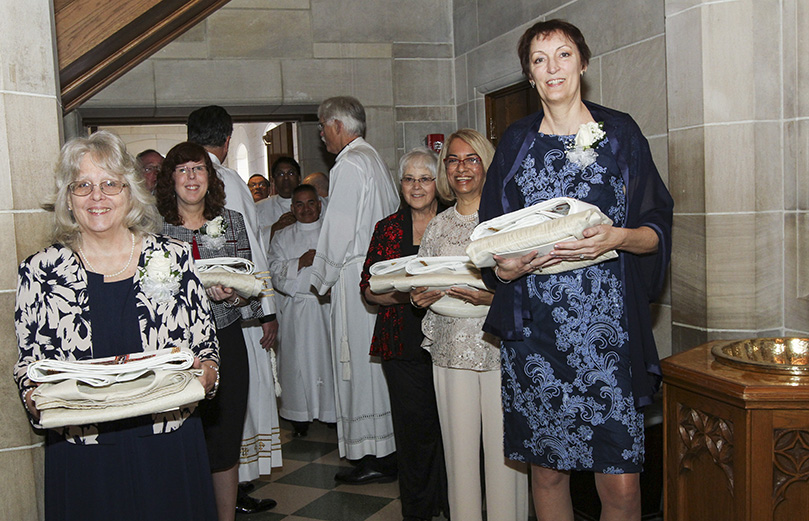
[(582, 150), (212, 233), (157, 279)]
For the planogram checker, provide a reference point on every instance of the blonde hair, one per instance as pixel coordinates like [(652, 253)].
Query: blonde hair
[(108, 152), (479, 144)]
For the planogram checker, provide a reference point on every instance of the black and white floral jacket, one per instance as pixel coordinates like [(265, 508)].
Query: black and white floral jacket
[(52, 317)]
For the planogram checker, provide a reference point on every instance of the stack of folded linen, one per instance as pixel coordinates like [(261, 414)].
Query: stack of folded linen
[(113, 388), (231, 272), (537, 228), (435, 273)]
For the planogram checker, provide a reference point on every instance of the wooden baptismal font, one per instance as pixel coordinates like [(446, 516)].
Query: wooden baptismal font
[(736, 442)]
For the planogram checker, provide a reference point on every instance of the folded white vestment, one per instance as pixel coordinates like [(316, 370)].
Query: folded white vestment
[(231, 272), (435, 273), (113, 388), (537, 228)]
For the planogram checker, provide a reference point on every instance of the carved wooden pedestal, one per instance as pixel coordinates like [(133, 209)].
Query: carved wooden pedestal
[(736, 442)]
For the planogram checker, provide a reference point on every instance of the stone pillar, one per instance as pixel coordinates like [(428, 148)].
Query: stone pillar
[(735, 125), (30, 122)]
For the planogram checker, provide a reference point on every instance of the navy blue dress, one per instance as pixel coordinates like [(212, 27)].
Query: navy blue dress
[(131, 474), (567, 392)]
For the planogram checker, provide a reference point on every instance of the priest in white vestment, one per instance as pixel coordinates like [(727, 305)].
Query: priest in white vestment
[(361, 193), (286, 174), (304, 342), (212, 127)]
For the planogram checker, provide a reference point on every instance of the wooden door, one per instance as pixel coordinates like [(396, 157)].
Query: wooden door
[(279, 142), (507, 105)]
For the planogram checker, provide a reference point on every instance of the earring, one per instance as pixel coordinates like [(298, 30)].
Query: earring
[(531, 82)]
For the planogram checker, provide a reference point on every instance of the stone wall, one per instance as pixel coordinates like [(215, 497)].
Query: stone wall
[(738, 107), (29, 145), (395, 56)]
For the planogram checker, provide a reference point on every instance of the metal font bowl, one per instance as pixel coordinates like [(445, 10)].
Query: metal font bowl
[(768, 355)]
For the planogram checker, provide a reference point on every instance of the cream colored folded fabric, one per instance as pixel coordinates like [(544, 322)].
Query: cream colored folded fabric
[(112, 388), (384, 274), (105, 371), (71, 402), (435, 273), (452, 307), (231, 264), (231, 272), (537, 227)]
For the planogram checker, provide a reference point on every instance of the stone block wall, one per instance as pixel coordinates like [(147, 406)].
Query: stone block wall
[(29, 145), (395, 56), (737, 146)]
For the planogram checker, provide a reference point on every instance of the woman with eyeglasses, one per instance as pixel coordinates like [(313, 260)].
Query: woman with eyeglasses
[(85, 297), (466, 361), (397, 341), (191, 199)]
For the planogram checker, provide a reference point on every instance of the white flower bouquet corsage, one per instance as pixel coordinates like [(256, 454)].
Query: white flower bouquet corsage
[(582, 150), (213, 233), (157, 279)]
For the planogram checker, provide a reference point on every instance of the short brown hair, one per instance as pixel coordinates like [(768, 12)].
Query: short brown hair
[(543, 29), (164, 190)]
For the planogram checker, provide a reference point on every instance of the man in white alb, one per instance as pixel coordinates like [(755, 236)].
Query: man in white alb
[(286, 174), (304, 342), (361, 193), (211, 127)]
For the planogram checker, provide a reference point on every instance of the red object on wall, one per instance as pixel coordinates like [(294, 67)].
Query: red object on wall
[(435, 142)]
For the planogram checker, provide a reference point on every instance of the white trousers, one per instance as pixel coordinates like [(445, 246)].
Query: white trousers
[(469, 406)]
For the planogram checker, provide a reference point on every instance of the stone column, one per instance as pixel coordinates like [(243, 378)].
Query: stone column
[(30, 122), (735, 125)]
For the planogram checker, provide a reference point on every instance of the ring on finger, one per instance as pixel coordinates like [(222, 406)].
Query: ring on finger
[(581, 256)]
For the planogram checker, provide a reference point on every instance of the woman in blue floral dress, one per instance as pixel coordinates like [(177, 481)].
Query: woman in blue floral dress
[(578, 356)]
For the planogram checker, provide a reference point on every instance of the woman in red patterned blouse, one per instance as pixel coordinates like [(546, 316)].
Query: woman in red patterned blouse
[(397, 340)]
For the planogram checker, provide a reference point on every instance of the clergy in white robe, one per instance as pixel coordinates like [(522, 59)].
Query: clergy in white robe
[(261, 438), (268, 211), (304, 342), (361, 193)]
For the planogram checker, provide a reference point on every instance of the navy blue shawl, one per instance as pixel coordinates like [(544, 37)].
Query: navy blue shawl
[(648, 204)]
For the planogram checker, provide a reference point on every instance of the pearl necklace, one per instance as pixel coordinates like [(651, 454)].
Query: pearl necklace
[(131, 254)]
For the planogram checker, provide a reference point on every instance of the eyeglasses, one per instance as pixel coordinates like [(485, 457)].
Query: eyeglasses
[(423, 181), (196, 169), (285, 173), (453, 162), (85, 188), (151, 168), (320, 125)]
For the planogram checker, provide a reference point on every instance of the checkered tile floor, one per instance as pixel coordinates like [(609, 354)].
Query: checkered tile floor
[(305, 488), (306, 491)]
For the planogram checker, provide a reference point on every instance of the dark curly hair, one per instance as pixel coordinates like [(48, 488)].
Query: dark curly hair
[(543, 29), (164, 190)]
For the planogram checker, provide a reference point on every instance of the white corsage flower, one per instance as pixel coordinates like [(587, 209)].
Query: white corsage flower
[(213, 233), (157, 279), (588, 138)]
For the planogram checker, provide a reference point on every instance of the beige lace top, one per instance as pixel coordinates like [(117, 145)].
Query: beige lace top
[(456, 343)]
